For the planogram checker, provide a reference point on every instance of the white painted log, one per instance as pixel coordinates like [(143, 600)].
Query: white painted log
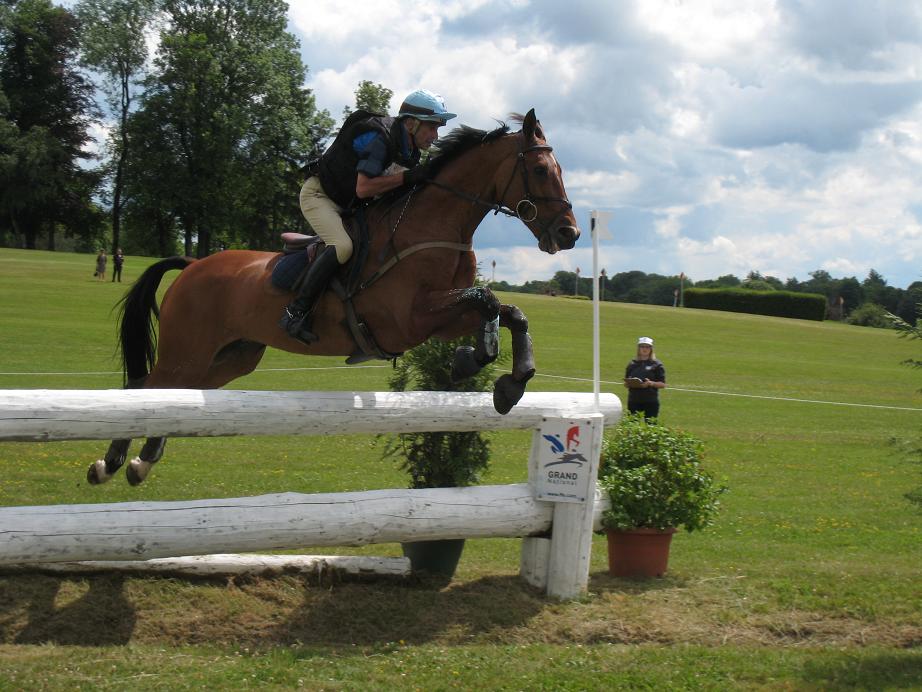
[(535, 557), (287, 521), (229, 565), (43, 415)]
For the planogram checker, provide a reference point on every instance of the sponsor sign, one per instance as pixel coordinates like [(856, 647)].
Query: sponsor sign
[(564, 460)]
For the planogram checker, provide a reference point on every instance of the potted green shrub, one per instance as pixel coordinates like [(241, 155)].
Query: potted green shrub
[(654, 480), (438, 459)]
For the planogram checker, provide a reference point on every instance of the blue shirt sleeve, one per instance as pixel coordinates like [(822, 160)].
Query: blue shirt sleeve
[(372, 152)]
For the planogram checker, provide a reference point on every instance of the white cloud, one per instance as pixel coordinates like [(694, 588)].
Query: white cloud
[(727, 136)]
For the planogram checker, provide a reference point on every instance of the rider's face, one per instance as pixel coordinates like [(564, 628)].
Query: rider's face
[(426, 134)]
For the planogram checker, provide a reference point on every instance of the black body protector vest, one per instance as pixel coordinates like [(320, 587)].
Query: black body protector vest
[(337, 168)]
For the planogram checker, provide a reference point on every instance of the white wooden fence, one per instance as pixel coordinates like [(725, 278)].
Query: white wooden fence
[(556, 549)]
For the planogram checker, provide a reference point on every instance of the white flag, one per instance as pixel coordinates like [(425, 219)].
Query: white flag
[(599, 221)]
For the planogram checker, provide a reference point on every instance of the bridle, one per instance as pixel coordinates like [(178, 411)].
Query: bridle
[(526, 210)]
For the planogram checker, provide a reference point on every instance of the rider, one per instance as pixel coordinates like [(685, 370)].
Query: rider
[(371, 155)]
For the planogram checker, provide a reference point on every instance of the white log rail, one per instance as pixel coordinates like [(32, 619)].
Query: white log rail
[(322, 567), (557, 545), (286, 521), (43, 415)]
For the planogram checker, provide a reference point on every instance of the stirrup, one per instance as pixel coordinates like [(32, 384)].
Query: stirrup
[(294, 326)]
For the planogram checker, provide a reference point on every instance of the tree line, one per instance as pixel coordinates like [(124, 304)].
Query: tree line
[(864, 302), (205, 135)]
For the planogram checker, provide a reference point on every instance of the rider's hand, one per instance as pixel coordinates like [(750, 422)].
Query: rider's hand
[(419, 174)]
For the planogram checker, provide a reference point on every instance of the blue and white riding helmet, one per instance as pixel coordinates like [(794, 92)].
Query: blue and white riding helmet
[(424, 105)]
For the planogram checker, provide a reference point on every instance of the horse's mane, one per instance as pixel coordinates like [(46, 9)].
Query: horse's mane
[(463, 139)]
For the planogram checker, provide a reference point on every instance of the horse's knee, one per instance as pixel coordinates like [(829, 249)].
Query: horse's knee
[(514, 319)]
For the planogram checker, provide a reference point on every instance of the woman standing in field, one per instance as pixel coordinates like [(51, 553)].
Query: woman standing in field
[(644, 377), (101, 260)]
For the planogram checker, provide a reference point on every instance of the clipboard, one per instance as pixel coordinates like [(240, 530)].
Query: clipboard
[(634, 383)]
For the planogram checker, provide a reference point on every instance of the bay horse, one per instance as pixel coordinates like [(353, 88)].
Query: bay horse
[(222, 311)]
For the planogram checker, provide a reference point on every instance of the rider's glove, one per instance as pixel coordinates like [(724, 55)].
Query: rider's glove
[(417, 175)]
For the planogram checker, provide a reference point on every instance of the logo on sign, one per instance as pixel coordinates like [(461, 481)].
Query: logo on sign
[(567, 453)]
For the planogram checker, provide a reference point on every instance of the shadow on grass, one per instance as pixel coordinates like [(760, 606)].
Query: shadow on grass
[(897, 670), (413, 613), (101, 616), (94, 611)]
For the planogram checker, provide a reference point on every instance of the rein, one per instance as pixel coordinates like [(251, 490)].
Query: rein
[(527, 201)]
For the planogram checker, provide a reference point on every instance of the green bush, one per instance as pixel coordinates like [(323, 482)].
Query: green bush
[(654, 479), (805, 306), (870, 315), (439, 459)]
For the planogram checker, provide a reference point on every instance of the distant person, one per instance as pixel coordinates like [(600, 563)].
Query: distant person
[(118, 259), (101, 260), (644, 377)]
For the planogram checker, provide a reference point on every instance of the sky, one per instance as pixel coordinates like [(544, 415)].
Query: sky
[(778, 136)]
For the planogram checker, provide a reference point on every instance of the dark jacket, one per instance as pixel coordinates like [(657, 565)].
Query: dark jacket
[(337, 167), (652, 369)]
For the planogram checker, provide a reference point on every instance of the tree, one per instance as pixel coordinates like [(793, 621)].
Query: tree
[(725, 281), (233, 118), (370, 97), (114, 45), (49, 104)]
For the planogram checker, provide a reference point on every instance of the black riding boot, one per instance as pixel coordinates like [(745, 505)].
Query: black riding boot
[(296, 319)]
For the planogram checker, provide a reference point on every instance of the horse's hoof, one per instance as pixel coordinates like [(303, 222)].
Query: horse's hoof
[(464, 365), (506, 393), (96, 474), (137, 471)]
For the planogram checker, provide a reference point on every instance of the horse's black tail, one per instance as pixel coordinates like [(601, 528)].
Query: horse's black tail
[(137, 332)]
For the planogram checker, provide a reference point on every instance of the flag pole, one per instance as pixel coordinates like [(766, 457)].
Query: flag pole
[(596, 348)]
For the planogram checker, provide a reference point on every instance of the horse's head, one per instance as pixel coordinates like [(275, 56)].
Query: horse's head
[(535, 190)]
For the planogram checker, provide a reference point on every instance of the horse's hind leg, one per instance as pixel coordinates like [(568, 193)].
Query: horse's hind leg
[(234, 360), (103, 469), (509, 389)]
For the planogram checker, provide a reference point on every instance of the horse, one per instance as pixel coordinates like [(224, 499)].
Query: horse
[(417, 281)]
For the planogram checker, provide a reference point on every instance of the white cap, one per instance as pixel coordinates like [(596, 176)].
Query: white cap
[(645, 340)]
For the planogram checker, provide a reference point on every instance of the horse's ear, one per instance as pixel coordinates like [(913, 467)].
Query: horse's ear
[(529, 123)]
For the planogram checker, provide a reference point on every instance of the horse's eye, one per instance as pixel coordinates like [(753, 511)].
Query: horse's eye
[(541, 171)]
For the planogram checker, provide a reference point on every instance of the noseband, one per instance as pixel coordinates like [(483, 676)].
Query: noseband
[(527, 203), (526, 210)]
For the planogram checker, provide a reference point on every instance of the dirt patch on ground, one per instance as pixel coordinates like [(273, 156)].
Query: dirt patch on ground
[(108, 609)]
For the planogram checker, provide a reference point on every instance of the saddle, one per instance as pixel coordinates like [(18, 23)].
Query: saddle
[(304, 248), (300, 250)]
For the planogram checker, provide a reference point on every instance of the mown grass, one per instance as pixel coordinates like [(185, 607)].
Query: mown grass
[(809, 579)]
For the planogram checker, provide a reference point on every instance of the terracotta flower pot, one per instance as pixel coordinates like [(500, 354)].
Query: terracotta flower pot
[(638, 552)]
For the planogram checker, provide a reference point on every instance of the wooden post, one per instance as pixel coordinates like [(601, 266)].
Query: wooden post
[(536, 550), (571, 539)]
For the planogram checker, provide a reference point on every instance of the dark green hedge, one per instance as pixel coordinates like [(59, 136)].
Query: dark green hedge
[(804, 306)]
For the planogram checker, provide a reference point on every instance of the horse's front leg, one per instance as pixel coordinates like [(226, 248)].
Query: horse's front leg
[(469, 360), (508, 389)]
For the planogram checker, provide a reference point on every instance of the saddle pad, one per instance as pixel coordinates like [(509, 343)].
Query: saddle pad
[(288, 269)]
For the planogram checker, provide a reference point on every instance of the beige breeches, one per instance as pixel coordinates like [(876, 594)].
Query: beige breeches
[(323, 214)]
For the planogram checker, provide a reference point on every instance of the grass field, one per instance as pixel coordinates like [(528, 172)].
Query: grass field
[(810, 579)]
